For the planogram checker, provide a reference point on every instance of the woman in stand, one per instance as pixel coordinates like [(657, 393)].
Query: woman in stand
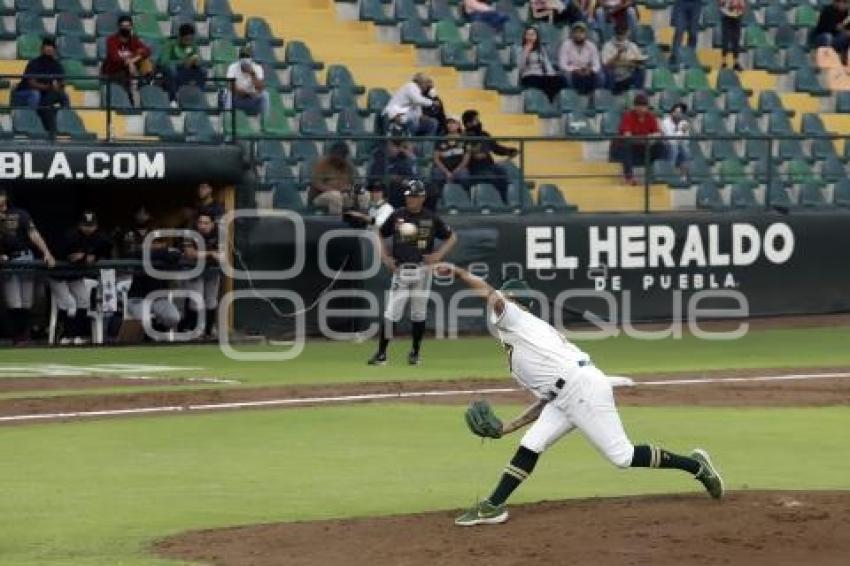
[(535, 68)]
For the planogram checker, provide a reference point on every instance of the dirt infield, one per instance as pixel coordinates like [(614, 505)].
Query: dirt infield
[(752, 528)]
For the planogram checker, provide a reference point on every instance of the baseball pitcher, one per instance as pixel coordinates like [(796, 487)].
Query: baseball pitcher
[(413, 230), (571, 394)]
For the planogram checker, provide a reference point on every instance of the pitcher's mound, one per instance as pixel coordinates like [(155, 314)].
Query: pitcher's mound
[(752, 528)]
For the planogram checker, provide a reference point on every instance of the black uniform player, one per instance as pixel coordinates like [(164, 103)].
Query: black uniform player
[(413, 230), (208, 283), (83, 246)]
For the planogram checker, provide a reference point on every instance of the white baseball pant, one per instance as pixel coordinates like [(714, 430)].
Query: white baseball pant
[(163, 311), (207, 285), (70, 295), (413, 283), (592, 410), (18, 286)]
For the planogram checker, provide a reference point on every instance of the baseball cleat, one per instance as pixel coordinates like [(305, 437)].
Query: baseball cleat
[(378, 360), (413, 359), (483, 513), (708, 474)]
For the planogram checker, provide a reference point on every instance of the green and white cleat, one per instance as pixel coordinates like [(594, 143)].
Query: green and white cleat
[(708, 475), (483, 513)]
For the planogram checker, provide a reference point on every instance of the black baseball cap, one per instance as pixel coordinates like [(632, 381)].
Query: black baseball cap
[(88, 218), (414, 188)]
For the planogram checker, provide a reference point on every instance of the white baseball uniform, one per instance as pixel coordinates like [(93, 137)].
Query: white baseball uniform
[(580, 396)]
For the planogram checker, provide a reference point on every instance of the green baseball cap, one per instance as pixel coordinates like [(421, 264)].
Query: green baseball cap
[(518, 291)]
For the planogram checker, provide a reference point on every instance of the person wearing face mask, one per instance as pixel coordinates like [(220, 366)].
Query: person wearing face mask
[(249, 87), (43, 85), (623, 62), (579, 61), (482, 167), (408, 102), (180, 62), (127, 56), (676, 125), (535, 68)]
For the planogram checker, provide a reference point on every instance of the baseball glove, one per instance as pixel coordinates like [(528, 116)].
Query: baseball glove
[(482, 421)]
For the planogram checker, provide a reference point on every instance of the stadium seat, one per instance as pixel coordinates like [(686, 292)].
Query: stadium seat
[(373, 11), (413, 32), (198, 128), (796, 57), (440, 10), (578, 124), (455, 199), (350, 123), (755, 36), (105, 24), (72, 7), (184, 9), (714, 124), (769, 102), (148, 8), (662, 171), (303, 76), (73, 47), (270, 150), (732, 171), (220, 8), (742, 196), (570, 101), (536, 102), (805, 16), (25, 122), (747, 123), (663, 79), (842, 193), (343, 99), (698, 169), (258, 29), (791, 149), (75, 69), (550, 199), (69, 124), (118, 98), (278, 171), (307, 99), (221, 27), (604, 101), (405, 10), (668, 99), (264, 52), (799, 171), (779, 124), (303, 150), (313, 123), (146, 27), (832, 170), (158, 124), (486, 199), (456, 55), (727, 79), (705, 101), (297, 53), (69, 23), (722, 150), (756, 149), (609, 125), (737, 100), (806, 80), (708, 197), (377, 99), (28, 46), (842, 102), (30, 23), (190, 97), (106, 6), (785, 36), (487, 53), (243, 125), (696, 79), (777, 194), (480, 32), (286, 196), (496, 78), (767, 59), (339, 77), (153, 98)]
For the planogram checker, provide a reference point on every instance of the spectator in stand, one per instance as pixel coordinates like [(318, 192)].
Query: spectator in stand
[(481, 11), (180, 62), (676, 125), (130, 245), (18, 235), (684, 18), (127, 57), (623, 62), (377, 210), (638, 125), (616, 13), (436, 112), (407, 103), (83, 246), (451, 157), (393, 162), (535, 68), (207, 203), (558, 12), (579, 61), (208, 283), (731, 17), (42, 87), (331, 180), (482, 167), (833, 28), (249, 88)]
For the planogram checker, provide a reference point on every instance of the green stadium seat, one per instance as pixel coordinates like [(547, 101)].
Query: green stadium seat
[(339, 77), (350, 123), (727, 79), (35, 6), (654, 57), (696, 80), (106, 6), (742, 196), (756, 149), (70, 24), (705, 101), (258, 29), (343, 99), (644, 35), (72, 7), (536, 102), (447, 31), (270, 150), (832, 170), (668, 99), (512, 32), (578, 124), (722, 150), (199, 129), (184, 9), (190, 97), (440, 10), (550, 199), (221, 27), (25, 122), (223, 51), (73, 47), (297, 53), (158, 124), (479, 32), (305, 171), (118, 98), (264, 52), (486, 199), (377, 99), (413, 32), (74, 68), (733, 171), (313, 123), (570, 101), (519, 199), (303, 76), (604, 101), (710, 16), (278, 171), (148, 8), (811, 196), (842, 101), (805, 16), (714, 124), (244, 126), (842, 193), (708, 197), (303, 150), (767, 59), (662, 171), (286, 196), (663, 79), (105, 24), (487, 53), (755, 36), (609, 125), (496, 78), (456, 55), (806, 80), (698, 169), (307, 99), (775, 16), (796, 58), (746, 123), (455, 199), (799, 171), (28, 46), (550, 35), (220, 8), (153, 98), (784, 37), (791, 149), (373, 11), (146, 27), (276, 123), (769, 102)]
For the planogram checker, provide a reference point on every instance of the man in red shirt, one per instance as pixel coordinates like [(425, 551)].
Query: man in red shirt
[(127, 57), (640, 123)]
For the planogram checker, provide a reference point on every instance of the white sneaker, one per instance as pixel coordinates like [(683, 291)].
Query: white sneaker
[(80, 341), (65, 341)]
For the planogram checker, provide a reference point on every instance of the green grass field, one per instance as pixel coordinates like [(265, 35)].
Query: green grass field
[(97, 493)]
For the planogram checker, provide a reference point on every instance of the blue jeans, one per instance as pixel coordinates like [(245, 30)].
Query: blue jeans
[(425, 126), (460, 176), (175, 76), (685, 18), (631, 18), (584, 84), (42, 102), (634, 81), (251, 104), (677, 153), (492, 18)]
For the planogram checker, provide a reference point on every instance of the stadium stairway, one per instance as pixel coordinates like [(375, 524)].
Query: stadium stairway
[(591, 185)]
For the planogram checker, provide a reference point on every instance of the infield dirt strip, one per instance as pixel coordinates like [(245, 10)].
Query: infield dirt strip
[(747, 528)]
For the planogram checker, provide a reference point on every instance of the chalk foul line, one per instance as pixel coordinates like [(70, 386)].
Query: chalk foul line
[(340, 399)]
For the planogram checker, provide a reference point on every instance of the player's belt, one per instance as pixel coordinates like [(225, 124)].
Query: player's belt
[(559, 383)]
